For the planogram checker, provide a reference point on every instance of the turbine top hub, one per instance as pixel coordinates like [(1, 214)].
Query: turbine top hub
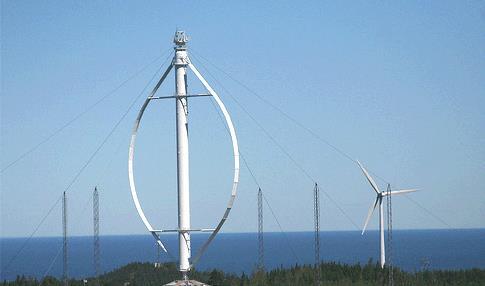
[(180, 39)]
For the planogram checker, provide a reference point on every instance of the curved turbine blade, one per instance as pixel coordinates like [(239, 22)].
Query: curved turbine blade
[(235, 149), (369, 178), (371, 211), (159, 241)]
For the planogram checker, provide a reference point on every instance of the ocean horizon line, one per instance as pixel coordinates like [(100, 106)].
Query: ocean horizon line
[(255, 232)]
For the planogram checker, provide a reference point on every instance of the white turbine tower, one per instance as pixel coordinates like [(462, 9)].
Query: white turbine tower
[(378, 200), (181, 64)]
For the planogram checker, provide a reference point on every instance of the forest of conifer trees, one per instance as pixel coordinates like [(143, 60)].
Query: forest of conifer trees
[(138, 274)]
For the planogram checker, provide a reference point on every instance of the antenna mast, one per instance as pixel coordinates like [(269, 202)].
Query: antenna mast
[(316, 214), (64, 240), (96, 246), (260, 231)]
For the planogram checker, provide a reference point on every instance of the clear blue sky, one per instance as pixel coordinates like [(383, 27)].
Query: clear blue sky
[(399, 86)]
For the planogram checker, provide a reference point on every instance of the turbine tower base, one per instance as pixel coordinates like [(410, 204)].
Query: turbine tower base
[(186, 283)]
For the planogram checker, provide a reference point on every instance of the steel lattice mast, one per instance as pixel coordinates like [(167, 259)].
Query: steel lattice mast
[(316, 214), (96, 245), (64, 240), (260, 231)]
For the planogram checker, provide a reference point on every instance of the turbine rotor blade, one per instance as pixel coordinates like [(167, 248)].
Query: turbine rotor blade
[(369, 214), (369, 178), (401, 192)]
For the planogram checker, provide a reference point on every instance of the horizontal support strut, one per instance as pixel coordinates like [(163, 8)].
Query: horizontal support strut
[(185, 230), (178, 96)]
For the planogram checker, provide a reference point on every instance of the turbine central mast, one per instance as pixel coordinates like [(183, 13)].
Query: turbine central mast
[(180, 63), (381, 233)]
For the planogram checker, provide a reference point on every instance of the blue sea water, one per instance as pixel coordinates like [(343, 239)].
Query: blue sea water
[(237, 252)]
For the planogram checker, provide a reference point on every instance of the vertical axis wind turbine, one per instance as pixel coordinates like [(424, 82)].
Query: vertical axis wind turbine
[(180, 63), (380, 195)]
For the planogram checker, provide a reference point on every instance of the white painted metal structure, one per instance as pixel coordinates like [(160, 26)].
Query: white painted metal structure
[(378, 200), (180, 63)]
